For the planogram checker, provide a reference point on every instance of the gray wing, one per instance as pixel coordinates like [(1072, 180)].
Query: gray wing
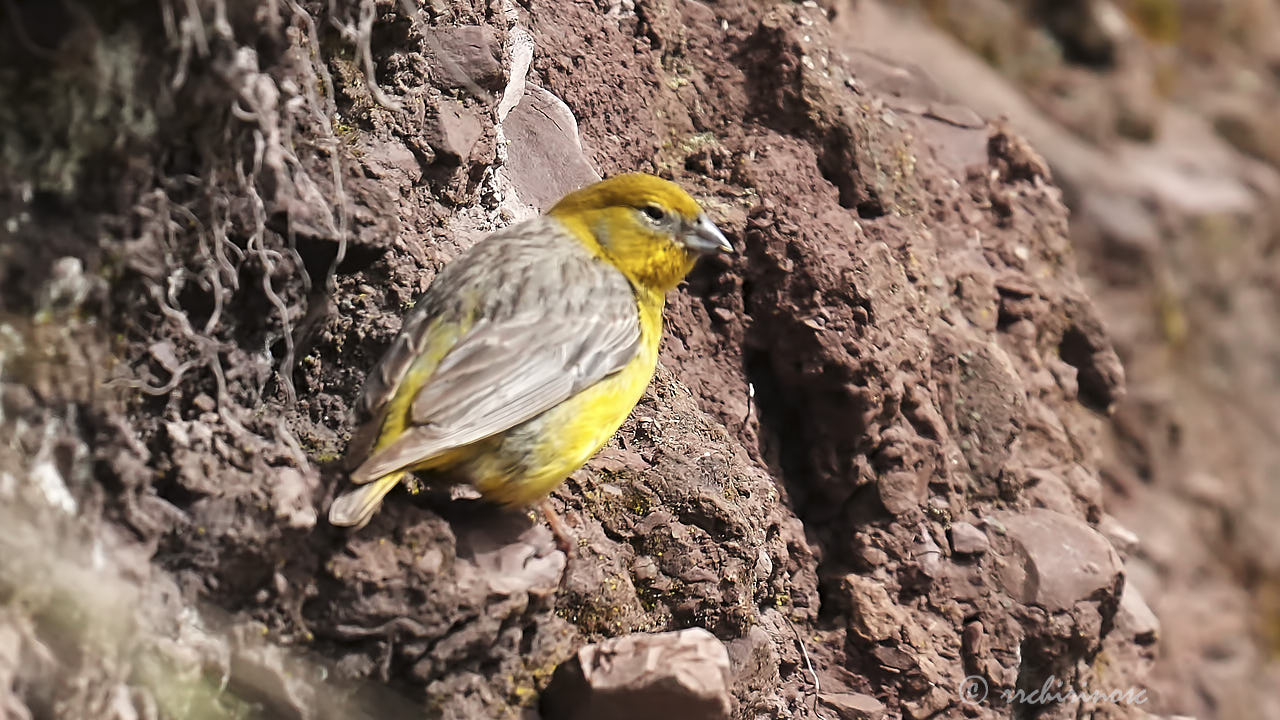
[(554, 328)]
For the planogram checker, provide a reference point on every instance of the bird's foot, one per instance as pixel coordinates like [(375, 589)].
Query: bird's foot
[(564, 540)]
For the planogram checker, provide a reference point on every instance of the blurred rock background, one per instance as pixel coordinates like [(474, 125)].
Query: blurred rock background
[(1159, 120)]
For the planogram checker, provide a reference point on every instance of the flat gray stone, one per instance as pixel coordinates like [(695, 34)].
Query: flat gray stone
[(544, 156)]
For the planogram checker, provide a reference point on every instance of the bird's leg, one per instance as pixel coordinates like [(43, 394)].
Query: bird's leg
[(563, 538)]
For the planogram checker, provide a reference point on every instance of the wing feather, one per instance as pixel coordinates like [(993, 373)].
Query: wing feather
[(553, 341)]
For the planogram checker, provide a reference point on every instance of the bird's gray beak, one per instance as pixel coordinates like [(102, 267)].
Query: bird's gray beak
[(705, 238)]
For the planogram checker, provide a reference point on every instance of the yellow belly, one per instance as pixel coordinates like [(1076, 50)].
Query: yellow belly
[(530, 460)]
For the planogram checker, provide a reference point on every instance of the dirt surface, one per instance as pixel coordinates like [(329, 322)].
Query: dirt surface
[(879, 461)]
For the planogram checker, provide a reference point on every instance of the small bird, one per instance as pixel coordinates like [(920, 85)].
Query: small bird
[(530, 349)]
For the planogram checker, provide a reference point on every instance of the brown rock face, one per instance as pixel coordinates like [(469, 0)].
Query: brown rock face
[(867, 471)]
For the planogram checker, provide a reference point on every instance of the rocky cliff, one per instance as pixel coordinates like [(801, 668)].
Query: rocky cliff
[(878, 465)]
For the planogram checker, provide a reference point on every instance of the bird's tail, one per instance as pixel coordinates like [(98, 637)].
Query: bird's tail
[(354, 508)]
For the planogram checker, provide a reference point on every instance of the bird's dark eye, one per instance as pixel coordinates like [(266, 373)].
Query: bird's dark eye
[(654, 213)]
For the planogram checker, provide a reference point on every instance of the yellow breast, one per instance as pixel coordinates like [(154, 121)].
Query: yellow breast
[(532, 459)]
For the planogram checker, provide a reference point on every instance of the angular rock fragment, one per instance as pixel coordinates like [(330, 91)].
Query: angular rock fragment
[(1086, 346), (901, 492), (968, 540), (307, 209), (680, 675), (874, 615), (853, 706), (1054, 560), (467, 55), (1136, 618), (458, 129), (989, 404)]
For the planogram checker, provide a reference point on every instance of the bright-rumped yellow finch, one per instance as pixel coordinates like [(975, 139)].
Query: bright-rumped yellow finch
[(529, 350)]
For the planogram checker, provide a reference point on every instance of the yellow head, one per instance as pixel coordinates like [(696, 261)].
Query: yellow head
[(649, 228)]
